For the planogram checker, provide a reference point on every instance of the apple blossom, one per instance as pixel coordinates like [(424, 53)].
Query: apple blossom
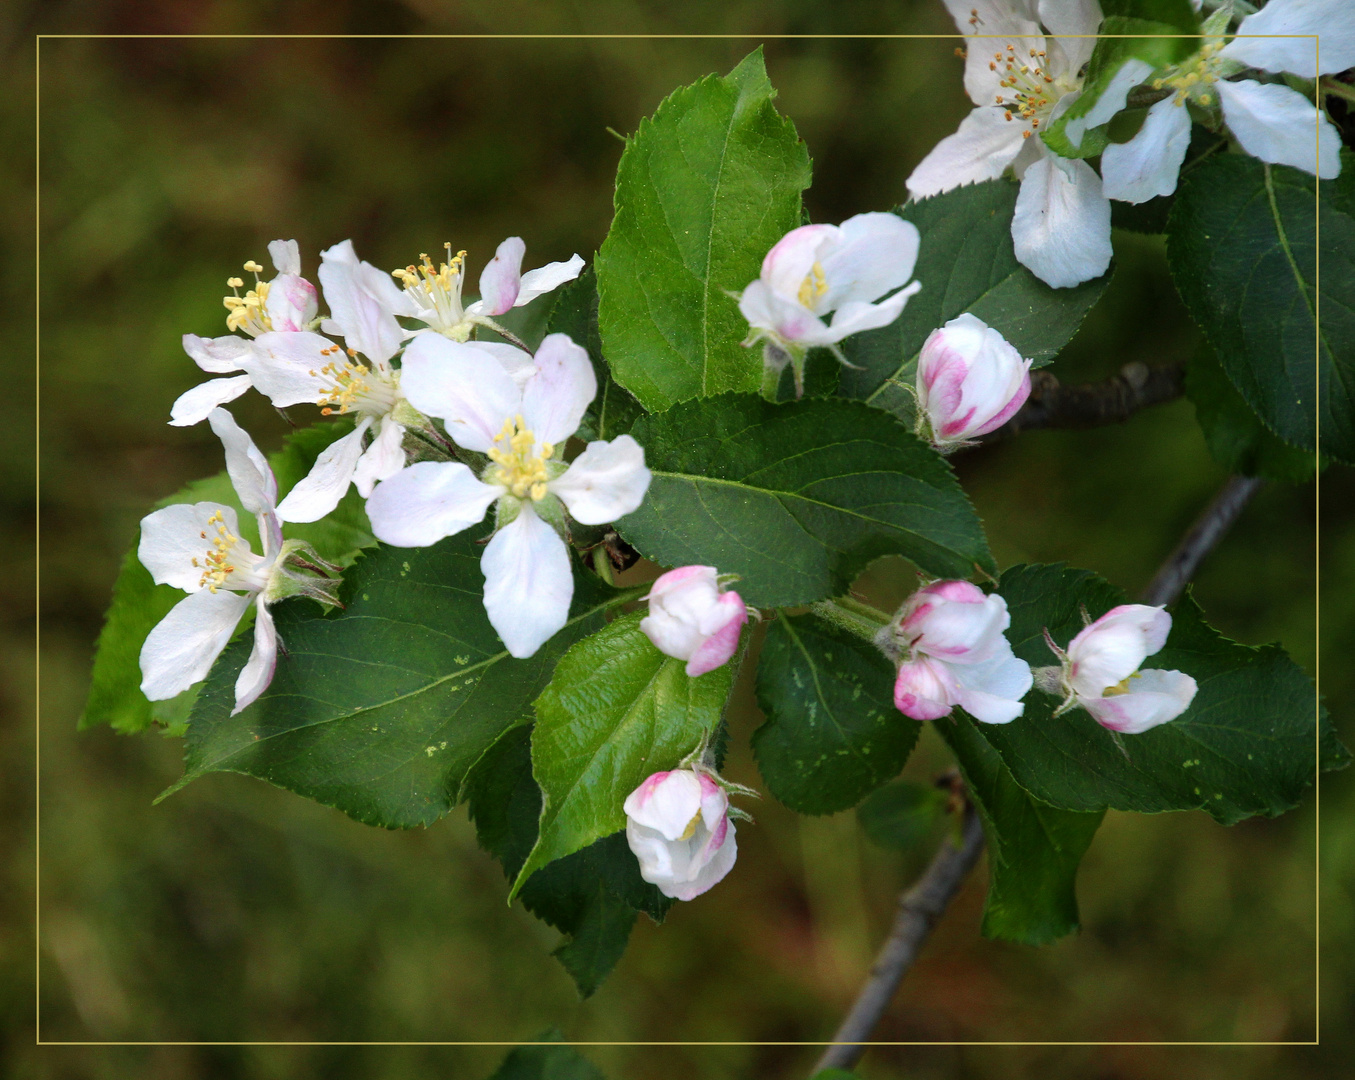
[(1021, 81), (970, 381), (678, 825), (1100, 671), (691, 619), (198, 548), (820, 269), (521, 428), (948, 641)]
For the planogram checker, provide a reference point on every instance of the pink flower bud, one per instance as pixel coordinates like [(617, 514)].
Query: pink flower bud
[(949, 636), (1101, 671), (970, 381), (678, 827), (691, 619)]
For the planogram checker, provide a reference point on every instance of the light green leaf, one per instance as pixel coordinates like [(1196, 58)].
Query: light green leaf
[(797, 498), (382, 708), (1033, 849), (1245, 746), (115, 696), (965, 263), (832, 733), (616, 710), (704, 189), (1244, 249)]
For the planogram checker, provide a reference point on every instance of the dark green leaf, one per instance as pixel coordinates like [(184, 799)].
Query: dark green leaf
[(1236, 437), (1245, 746), (797, 498), (965, 263), (598, 940), (704, 189), (613, 410), (902, 815), (546, 1062), (1243, 245), (1033, 848), (115, 696), (381, 709), (832, 733), (616, 710)]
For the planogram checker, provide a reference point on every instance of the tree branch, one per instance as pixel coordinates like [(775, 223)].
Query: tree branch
[(1201, 539), (919, 909), (1111, 401)]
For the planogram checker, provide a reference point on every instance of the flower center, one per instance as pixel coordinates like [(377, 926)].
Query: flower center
[(216, 564), (436, 291), (353, 385), (247, 312), (690, 830), (1121, 687), (520, 462), (1193, 78), (814, 285), (1029, 91)]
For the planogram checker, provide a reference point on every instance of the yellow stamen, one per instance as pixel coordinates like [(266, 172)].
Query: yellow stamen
[(813, 286), (521, 468)]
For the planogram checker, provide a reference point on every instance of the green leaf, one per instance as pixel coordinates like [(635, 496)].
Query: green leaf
[(797, 498), (832, 733), (1236, 437), (546, 1062), (115, 696), (613, 410), (703, 191), (616, 710), (901, 815), (1033, 848), (1244, 747), (382, 708), (1244, 250), (592, 895), (965, 263)]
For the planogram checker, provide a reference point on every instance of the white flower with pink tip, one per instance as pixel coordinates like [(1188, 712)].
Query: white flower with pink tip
[(970, 381), (521, 428), (691, 619), (678, 825), (816, 270), (198, 548), (1100, 671), (948, 640)]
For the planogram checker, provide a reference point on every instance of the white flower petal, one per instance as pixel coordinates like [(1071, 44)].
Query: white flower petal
[(1070, 17), (1114, 646), (217, 355), (1149, 163), (607, 481), (854, 317), (1330, 20), (286, 256), (1281, 126), (382, 460), (420, 505), (557, 395), (991, 692), (362, 302), (1132, 72), (547, 278), (513, 360), (1061, 227), (180, 650), (1001, 22), (528, 582), (985, 144), (193, 406), (291, 303), (666, 802), (174, 536), (249, 470), (454, 382), (787, 318), (319, 492), (1155, 697), (284, 367), (876, 254), (791, 258), (502, 277), (263, 660)]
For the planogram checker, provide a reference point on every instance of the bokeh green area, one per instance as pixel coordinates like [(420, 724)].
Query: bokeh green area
[(234, 911)]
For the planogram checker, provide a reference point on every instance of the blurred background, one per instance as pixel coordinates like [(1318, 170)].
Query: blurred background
[(238, 912)]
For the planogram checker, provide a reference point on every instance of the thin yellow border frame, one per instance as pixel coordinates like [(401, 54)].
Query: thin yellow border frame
[(37, 576)]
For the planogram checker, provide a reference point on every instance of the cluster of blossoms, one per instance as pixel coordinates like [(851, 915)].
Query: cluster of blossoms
[(1025, 68)]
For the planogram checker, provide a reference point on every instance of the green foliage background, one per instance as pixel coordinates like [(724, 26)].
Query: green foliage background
[(235, 911)]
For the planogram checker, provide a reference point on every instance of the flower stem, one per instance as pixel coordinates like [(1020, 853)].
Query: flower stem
[(851, 615), (1337, 89), (771, 382)]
